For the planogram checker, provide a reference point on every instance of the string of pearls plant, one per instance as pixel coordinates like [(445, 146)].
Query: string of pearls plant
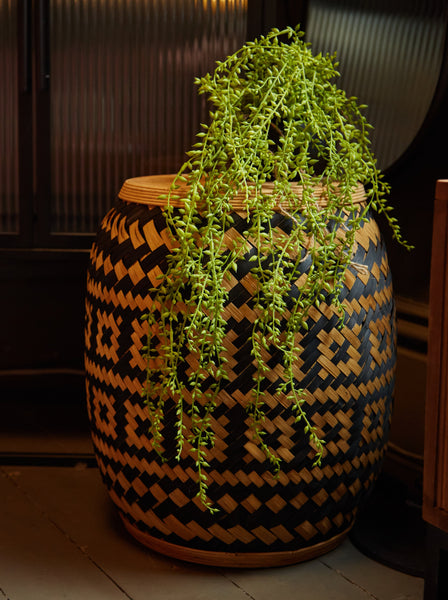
[(277, 116)]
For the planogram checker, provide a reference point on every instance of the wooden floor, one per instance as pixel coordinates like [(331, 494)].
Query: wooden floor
[(60, 538)]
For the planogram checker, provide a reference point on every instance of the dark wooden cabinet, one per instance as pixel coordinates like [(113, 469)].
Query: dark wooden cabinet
[(94, 93), (435, 498)]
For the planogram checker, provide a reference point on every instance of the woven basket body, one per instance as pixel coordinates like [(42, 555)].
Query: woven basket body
[(348, 373)]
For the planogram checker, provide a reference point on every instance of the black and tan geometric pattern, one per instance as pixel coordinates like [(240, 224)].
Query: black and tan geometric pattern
[(348, 374)]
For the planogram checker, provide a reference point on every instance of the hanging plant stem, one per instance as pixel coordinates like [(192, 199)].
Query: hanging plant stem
[(278, 121)]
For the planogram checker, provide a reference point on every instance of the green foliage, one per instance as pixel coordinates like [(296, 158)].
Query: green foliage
[(276, 116)]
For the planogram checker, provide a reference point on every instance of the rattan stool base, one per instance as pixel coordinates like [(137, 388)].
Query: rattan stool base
[(243, 560)]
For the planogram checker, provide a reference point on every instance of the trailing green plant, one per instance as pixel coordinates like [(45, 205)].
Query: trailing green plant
[(278, 117)]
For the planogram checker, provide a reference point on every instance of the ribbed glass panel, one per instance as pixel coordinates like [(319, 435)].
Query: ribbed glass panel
[(123, 101), (390, 56), (9, 178)]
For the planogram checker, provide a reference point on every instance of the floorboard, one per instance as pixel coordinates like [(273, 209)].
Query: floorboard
[(38, 561)]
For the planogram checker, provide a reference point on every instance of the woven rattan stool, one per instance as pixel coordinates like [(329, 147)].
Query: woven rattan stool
[(348, 373)]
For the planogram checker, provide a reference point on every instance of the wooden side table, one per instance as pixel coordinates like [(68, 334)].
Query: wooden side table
[(435, 481)]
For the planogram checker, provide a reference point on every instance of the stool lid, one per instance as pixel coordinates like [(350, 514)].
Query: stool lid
[(153, 189)]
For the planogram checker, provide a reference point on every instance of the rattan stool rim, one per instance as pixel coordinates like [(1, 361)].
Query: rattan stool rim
[(242, 560), (153, 189)]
